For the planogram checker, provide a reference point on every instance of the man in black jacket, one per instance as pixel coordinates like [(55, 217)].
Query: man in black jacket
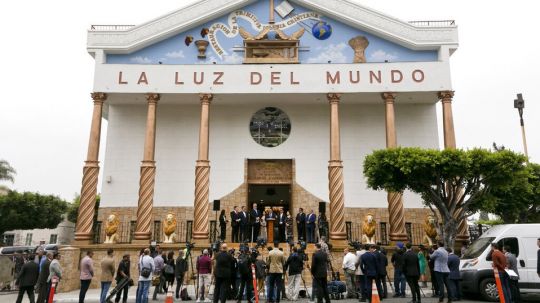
[(121, 274), (319, 272), (411, 269), (222, 273), (399, 277), (294, 264), (382, 262), (180, 271), (255, 221), (235, 225), (370, 267), (301, 224), (42, 279), (27, 279)]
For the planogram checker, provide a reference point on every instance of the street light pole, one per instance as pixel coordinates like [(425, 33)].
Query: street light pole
[(519, 103)]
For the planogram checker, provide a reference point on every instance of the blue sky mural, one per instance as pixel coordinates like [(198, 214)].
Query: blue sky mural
[(228, 44)]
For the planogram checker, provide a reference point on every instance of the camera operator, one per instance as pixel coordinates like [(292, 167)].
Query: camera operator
[(223, 268), (294, 265), (245, 260)]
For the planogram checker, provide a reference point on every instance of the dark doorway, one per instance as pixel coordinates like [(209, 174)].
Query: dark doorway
[(270, 196)]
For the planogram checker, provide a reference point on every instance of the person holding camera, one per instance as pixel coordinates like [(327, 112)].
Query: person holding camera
[(295, 265), (180, 271), (204, 273), (244, 263), (121, 274), (222, 272), (146, 268)]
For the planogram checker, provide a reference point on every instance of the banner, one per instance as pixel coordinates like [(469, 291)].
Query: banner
[(231, 29)]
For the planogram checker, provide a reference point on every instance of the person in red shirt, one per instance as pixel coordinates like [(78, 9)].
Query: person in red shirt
[(499, 262), (204, 271)]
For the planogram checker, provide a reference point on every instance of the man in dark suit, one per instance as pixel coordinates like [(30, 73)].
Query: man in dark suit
[(301, 224), (319, 272), (235, 224), (244, 225), (255, 220), (310, 226), (370, 268), (411, 269), (42, 279), (27, 279), (382, 262), (281, 224), (222, 273), (454, 276)]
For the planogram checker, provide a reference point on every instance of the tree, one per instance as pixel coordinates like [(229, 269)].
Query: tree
[(73, 209), (30, 210), (520, 202), (7, 173), (452, 181)]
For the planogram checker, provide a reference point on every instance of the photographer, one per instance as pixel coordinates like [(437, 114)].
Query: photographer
[(245, 260), (222, 273), (204, 273), (295, 265)]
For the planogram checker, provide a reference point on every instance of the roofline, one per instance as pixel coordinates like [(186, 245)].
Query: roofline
[(353, 14)]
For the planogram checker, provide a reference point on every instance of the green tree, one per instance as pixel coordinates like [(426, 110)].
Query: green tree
[(454, 182), (73, 209), (7, 173), (520, 202), (30, 210)]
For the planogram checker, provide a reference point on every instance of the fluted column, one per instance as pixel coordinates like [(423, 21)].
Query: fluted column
[(335, 174), (85, 218), (395, 200), (148, 174), (450, 143), (202, 174)]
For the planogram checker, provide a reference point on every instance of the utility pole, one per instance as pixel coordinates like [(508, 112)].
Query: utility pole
[(519, 103)]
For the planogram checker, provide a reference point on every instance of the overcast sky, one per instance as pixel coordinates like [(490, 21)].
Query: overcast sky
[(46, 77)]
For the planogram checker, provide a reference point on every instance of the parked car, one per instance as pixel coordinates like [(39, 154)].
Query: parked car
[(50, 248), (9, 250), (476, 265)]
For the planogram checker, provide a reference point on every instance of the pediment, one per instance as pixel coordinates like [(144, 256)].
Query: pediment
[(163, 40)]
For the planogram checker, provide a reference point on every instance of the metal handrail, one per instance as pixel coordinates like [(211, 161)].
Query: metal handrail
[(436, 23), (109, 27)]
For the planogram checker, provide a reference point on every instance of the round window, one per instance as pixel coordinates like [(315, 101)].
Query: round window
[(270, 126)]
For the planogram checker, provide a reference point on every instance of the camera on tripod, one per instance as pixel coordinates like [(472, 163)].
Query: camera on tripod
[(215, 246), (261, 242), (190, 246)]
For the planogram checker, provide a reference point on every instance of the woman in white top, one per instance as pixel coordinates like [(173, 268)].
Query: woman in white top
[(262, 233)]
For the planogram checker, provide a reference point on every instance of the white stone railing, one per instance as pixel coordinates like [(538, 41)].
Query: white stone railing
[(108, 28), (437, 23)]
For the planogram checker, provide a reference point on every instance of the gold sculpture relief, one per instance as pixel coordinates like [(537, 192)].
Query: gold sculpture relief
[(368, 229), (169, 228), (431, 230), (359, 45), (111, 229)]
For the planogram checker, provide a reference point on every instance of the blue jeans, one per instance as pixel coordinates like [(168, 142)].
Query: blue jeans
[(399, 282), (104, 290), (142, 292)]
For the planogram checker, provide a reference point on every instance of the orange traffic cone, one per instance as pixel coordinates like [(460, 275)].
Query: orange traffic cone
[(374, 293), (254, 278), (499, 284), (169, 297)]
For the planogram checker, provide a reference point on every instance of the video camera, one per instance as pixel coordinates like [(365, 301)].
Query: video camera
[(190, 246), (215, 246), (356, 244), (261, 242)]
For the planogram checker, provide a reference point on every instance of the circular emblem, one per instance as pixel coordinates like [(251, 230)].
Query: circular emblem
[(321, 30), (270, 127)]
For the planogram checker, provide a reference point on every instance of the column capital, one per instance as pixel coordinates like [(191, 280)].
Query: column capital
[(99, 97), (446, 96), (333, 97), (206, 98), (153, 97), (389, 97)]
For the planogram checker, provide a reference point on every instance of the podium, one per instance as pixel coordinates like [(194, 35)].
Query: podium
[(270, 230)]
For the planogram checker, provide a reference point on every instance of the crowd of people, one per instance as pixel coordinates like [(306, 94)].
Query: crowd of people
[(230, 271), (253, 224)]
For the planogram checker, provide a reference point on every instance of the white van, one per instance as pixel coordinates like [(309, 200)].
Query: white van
[(476, 266)]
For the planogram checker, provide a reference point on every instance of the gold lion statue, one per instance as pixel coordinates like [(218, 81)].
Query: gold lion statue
[(431, 230), (111, 229), (169, 228), (368, 230)]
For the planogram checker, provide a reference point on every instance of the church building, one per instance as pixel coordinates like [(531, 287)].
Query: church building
[(228, 103)]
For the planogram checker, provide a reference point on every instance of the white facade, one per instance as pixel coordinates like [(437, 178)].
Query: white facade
[(62, 234), (362, 131)]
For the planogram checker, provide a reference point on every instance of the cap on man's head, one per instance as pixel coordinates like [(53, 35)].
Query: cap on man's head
[(399, 245)]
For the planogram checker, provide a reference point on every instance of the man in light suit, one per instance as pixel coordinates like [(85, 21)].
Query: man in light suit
[(310, 226)]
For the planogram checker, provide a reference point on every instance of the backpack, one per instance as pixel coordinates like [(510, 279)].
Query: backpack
[(243, 264), (169, 270)]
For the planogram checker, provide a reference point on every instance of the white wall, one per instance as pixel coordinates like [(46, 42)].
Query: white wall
[(362, 130)]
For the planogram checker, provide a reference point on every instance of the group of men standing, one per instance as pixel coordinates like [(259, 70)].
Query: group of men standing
[(246, 225)]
